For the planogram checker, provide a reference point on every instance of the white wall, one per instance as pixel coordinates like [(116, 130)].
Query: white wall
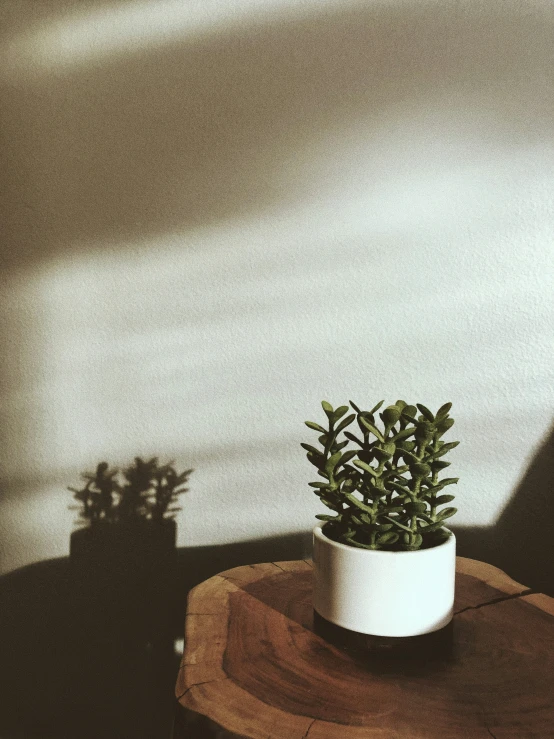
[(218, 214)]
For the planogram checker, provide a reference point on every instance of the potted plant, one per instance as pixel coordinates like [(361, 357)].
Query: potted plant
[(384, 562)]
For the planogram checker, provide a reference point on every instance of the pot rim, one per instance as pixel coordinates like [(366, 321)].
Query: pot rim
[(318, 532)]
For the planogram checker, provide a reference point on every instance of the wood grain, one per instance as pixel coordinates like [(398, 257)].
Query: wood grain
[(255, 667)]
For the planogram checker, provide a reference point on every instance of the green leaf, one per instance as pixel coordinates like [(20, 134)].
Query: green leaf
[(440, 464), (353, 438), (446, 513), (425, 517), (425, 412), (317, 484), (393, 472), (390, 415), (310, 448), (315, 459), (443, 499), (401, 404), (389, 538), (442, 484), (431, 527), (347, 456), (366, 467), (325, 517), (327, 407), (354, 406), (315, 427), (408, 455), (349, 483), (350, 540), (376, 408), (443, 411), (332, 462), (374, 430), (409, 412), (393, 509), (358, 503), (420, 470), (443, 426), (404, 434), (384, 451), (401, 489), (344, 423), (397, 523), (339, 412), (329, 503), (445, 448), (450, 445), (342, 476), (417, 506), (369, 418), (424, 430)]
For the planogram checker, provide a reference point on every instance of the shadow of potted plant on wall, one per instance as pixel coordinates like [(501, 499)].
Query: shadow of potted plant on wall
[(125, 549)]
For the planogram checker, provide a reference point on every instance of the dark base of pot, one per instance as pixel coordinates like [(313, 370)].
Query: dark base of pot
[(436, 646)]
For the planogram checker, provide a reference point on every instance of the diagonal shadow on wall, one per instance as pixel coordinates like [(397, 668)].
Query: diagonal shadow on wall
[(527, 557), (170, 133)]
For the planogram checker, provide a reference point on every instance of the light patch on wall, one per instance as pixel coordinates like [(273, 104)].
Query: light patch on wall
[(227, 338), (81, 37)]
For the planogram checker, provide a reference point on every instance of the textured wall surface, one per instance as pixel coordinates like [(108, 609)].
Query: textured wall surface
[(217, 214)]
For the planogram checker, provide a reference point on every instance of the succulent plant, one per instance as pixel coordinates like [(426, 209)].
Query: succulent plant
[(383, 484), (143, 490)]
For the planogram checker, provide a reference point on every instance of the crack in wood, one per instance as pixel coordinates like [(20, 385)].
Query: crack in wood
[(309, 728), (484, 717), (233, 580), (204, 682), (492, 602), (278, 566)]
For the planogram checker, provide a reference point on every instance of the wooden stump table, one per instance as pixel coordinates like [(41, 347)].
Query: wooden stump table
[(255, 666)]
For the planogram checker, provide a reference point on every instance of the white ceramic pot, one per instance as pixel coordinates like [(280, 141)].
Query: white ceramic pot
[(384, 593)]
